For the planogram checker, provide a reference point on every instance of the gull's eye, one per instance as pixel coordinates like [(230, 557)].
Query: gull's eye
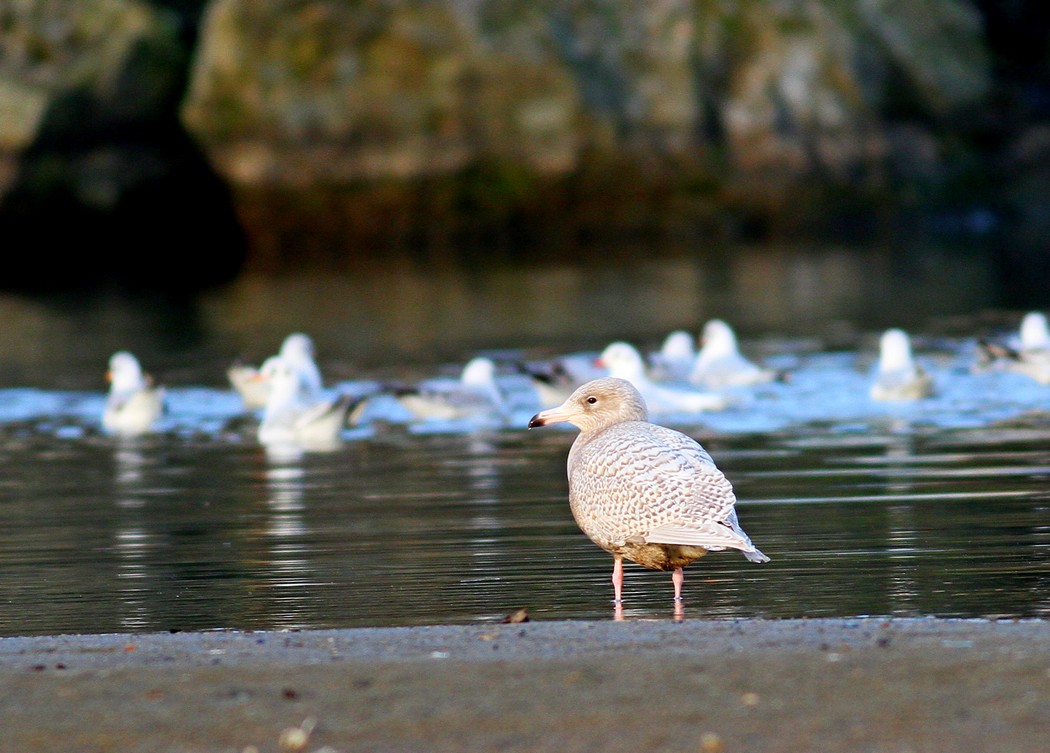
[(592, 400)]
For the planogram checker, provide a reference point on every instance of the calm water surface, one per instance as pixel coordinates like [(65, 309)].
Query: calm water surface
[(198, 528), (935, 508)]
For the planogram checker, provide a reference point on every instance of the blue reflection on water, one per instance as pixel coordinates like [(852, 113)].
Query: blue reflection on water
[(934, 507)]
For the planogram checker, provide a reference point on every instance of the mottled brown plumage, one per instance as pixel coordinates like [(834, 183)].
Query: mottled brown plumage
[(641, 491)]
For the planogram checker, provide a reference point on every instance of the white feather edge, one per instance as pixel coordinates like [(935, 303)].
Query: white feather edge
[(712, 536)]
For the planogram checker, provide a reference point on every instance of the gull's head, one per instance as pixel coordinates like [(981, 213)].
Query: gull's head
[(1035, 335), (718, 339), (124, 372), (297, 348), (596, 405), (283, 379), (894, 350), (479, 376), (678, 346), (623, 360), (479, 372)]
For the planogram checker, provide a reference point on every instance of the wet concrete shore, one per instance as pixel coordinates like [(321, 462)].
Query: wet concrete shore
[(709, 686)]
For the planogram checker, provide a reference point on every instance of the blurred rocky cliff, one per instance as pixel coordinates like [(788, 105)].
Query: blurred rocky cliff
[(289, 129)]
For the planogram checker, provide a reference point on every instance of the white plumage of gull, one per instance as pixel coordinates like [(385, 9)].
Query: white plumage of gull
[(719, 363), (253, 384), (474, 394), (897, 376), (623, 361), (295, 416), (1034, 332), (640, 491), (1031, 357), (675, 358), (133, 404)]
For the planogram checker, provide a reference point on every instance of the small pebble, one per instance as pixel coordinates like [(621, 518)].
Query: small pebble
[(711, 742), (521, 615), (294, 739)]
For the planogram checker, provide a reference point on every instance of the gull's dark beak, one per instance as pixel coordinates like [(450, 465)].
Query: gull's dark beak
[(550, 416)]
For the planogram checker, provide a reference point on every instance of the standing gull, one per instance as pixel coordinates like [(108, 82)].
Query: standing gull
[(642, 491)]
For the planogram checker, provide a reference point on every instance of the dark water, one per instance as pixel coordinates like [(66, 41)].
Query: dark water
[(936, 508), (200, 532)]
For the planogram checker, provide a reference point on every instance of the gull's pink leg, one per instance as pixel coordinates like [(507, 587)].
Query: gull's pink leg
[(617, 580), (678, 577)]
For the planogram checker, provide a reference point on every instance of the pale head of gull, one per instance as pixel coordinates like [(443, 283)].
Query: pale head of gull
[(597, 405), (895, 351), (1035, 335), (478, 372), (479, 375), (125, 373), (298, 350), (718, 340), (678, 346), (623, 361)]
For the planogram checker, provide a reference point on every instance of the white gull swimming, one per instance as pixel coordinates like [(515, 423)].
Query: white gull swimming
[(474, 394), (297, 350), (719, 363), (623, 361), (295, 416), (897, 375), (1030, 356), (674, 360), (133, 405)]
